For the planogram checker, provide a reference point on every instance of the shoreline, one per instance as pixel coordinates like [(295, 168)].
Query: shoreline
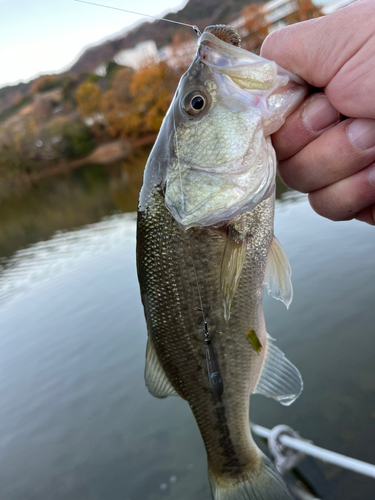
[(104, 154)]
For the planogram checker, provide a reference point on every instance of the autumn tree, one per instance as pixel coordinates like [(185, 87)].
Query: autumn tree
[(256, 26), (116, 103), (306, 10), (17, 150), (181, 53), (137, 102), (151, 89), (259, 20), (88, 98)]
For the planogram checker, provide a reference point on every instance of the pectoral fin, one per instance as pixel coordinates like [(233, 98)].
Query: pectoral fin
[(278, 274), (279, 379), (156, 379), (231, 269)]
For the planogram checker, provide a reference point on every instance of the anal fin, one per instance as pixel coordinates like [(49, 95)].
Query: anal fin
[(279, 379), (156, 379)]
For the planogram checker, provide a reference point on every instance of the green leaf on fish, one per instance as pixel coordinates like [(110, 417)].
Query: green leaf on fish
[(254, 341)]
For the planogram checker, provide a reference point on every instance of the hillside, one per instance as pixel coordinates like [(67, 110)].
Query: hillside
[(195, 12), (12, 95)]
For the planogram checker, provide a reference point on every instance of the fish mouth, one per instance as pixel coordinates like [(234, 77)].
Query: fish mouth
[(218, 54)]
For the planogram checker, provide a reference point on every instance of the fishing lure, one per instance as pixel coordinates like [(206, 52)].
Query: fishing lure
[(214, 377)]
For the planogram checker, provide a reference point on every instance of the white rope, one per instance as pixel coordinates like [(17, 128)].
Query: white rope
[(320, 453)]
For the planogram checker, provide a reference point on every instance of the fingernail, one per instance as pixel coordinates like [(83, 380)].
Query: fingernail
[(361, 133), (319, 114)]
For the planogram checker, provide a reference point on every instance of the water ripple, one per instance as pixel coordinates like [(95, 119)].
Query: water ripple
[(45, 260)]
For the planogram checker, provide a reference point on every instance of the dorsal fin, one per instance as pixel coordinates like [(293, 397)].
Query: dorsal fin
[(226, 33)]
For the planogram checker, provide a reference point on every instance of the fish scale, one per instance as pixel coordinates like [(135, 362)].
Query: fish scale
[(177, 329)]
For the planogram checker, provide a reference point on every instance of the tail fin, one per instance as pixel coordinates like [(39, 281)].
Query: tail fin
[(262, 484)]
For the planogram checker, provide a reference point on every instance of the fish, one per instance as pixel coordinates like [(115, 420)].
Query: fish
[(205, 250)]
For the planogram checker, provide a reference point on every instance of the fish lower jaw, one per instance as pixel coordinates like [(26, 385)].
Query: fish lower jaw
[(198, 197), (201, 216), (233, 167)]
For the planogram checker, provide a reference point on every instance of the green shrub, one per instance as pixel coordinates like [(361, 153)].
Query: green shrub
[(77, 140)]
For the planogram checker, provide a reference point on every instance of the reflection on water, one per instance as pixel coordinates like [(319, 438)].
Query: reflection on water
[(81, 197), (76, 420), (47, 260)]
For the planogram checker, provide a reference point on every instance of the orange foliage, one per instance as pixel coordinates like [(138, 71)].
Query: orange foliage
[(116, 103), (88, 97), (136, 105), (150, 89), (181, 53), (121, 84), (115, 114), (258, 25), (306, 10)]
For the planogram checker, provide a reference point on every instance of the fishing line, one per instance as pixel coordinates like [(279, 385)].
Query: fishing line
[(196, 280), (236, 341), (200, 298), (213, 369), (178, 159), (232, 340), (195, 28)]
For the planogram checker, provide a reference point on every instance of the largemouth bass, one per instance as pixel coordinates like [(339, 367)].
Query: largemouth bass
[(205, 249)]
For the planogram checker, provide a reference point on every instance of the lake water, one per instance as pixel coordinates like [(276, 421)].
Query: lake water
[(76, 421)]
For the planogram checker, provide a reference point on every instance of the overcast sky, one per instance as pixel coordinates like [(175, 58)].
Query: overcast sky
[(41, 36)]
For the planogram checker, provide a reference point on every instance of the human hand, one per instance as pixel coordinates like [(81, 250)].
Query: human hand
[(332, 160)]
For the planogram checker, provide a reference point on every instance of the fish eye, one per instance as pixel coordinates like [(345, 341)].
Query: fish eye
[(194, 103)]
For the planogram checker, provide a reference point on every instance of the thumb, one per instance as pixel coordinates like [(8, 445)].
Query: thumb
[(315, 50), (333, 52)]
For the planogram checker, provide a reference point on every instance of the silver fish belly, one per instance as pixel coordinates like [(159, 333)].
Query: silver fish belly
[(205, 249)]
